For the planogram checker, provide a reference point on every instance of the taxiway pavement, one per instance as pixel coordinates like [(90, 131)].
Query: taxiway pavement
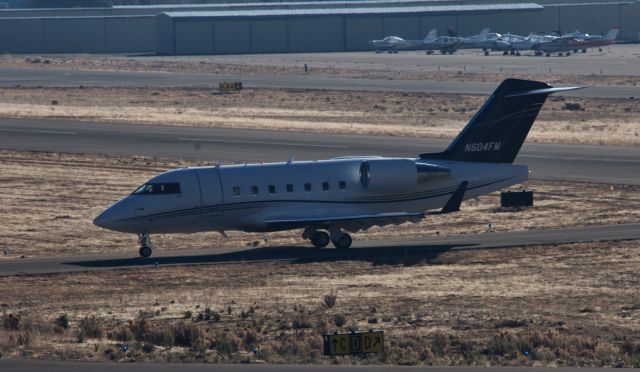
[(75, 78), (620, 60), (8, 365), (394, 251), (556, 162)]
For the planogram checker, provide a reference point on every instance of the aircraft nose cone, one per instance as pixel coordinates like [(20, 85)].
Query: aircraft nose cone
[(104, 220), (100, 220)]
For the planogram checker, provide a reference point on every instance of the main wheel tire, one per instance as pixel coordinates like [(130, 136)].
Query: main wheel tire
[(145, 251), (320, 239), (343, 242)]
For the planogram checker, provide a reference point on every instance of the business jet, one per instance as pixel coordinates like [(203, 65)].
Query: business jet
[(329, 198)]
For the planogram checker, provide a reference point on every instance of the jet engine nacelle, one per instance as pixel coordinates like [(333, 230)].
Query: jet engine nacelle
[(397, 175), (388, 175)]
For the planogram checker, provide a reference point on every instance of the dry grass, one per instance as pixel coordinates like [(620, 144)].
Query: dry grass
[(51, 199), (553, 306), (601, 121)]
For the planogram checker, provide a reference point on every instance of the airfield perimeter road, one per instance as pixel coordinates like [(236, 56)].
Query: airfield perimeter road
[(73, 78), (581, 163), (55, 366), (375, 251)]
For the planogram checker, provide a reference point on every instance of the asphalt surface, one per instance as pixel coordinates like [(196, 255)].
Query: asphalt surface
[(73, 78), (38, 365), (621, 60), (378, 252), (51, 366), (580, 163)]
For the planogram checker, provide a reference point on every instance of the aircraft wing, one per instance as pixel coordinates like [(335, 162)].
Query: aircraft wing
[(365, 221), (349, 222)]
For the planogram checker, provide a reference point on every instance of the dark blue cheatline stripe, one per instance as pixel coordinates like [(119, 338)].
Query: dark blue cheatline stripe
[(264, 203)]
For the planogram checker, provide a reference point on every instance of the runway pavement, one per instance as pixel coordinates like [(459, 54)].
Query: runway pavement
[(74, 78), (394, 251), (7, 365), (580, 163)]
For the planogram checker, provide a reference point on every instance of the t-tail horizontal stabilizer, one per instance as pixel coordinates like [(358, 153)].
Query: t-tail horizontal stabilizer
[(498, 130), (453, 204)]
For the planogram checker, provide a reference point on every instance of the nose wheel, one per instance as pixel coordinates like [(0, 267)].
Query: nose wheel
[(145, 245)]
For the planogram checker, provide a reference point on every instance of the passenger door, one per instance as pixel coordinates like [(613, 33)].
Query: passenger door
[(211, 191)]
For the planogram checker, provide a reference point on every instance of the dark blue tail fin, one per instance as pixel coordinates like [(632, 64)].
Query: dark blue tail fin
[(497, 131)]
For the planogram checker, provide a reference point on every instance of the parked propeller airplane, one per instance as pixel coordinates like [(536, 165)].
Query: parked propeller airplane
[(569, 44), (393, 44), (328, 197)]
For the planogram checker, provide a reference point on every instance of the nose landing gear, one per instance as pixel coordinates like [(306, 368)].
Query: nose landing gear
[(145, 245)]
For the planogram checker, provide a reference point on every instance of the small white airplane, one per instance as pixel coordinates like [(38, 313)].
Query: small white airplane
[(393, 44), (475, 41), (328, 197)]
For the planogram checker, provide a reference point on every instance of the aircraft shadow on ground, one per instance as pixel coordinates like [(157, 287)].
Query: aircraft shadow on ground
[(385, 255)]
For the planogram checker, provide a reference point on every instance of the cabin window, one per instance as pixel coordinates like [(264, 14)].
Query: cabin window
[(272, 189), (325, 186), (254, 190), (307, 187), (342, 185), (236, 190), (158, 189), (289, 187)]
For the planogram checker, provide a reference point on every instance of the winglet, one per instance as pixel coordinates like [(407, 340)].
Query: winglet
[(453, 204)]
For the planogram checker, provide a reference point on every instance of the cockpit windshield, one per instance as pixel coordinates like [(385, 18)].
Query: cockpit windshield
[(158, 189)]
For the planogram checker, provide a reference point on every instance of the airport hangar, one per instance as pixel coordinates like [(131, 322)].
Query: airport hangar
[(334, 26)]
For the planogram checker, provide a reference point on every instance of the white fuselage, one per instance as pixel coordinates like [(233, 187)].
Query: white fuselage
[(247, 197)]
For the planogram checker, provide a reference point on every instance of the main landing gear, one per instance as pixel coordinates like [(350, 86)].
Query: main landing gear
[(321, 239), (342, 241), (145, 245)]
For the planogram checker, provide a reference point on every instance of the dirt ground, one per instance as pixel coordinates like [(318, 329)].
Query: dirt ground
[(562, 120), (52, 198), (568, 305)]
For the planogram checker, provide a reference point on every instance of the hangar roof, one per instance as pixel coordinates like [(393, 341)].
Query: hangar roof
[(354, 3), (435, 10)]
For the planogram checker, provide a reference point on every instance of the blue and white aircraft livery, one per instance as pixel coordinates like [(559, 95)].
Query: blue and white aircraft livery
[(329, 198)]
